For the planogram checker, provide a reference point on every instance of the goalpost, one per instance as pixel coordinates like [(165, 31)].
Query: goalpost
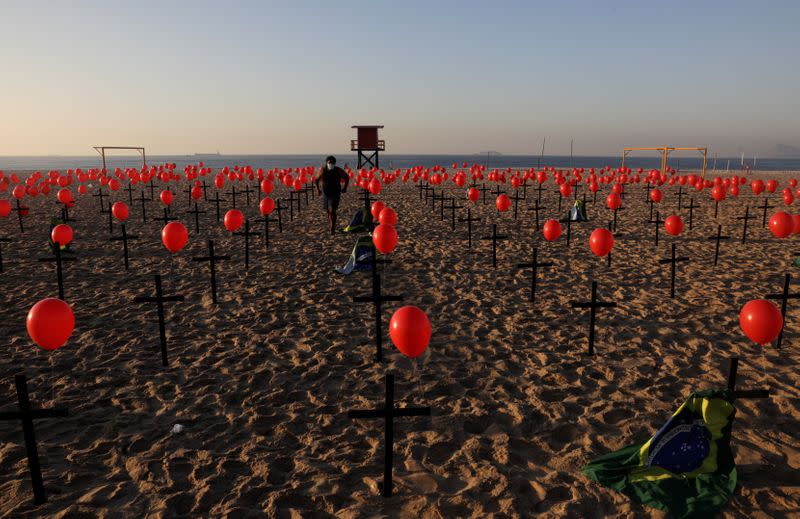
[(665, 151), (102, 151)]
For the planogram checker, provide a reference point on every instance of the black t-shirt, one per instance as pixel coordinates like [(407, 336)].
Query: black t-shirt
[(332, 181)]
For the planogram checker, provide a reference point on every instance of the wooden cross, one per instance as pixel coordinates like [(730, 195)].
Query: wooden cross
[(495, 238), (615, 216), (159, 299), (100, 194), (784, 298), (188, 191), (279, 210), (568, 221), (124, 239), (27, 415), (469, 219), (651, 203), (388, 412), (536, 208), (680, 194), (672, 260), (216, 201), (534, 265), (593, 305), (58, 258), (65, 214), (196, 212), (232, 192), (453, 208), (212, 259), (422, 187), (2, 241), (516, 198), (441, 198), (247, 190), (483, 189), (129, 189), (152, 187), (539, 190), (765, 207), (205, 187), (691, 207), (377, 298), (497, 191), (616, 235), (166, 218), (559, 197), (429, 193), (647, 187), (20, 209), (142, 199), (746, 217), (657, 222), (246, 233), (717, 238), (265, 219), (740, 393)]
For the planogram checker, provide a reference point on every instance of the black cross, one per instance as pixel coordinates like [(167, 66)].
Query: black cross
[(247, 192), (429, 191), (388, 412), (216, 201), (166, 218), (672, 260), (58, 258), (265, 219), (142, 199), (129, 189), (65, 214), (246, 233), (212, 259), (377, 298), (422, 187), (765, 207), (453, 208), (657, 222), (232, 192), (124, 239), (534, 265), (159, 299), (196, 212), (205, 190), (483, 189), (680, 194), (536, 208), (746, 217), (516, 198), (716, 208), (188, 191), (560, 198), (19, 209), (739, 393), (152, 187), (615, 216), (651, 208), (784, 298), (717, 238), (279, 210), (616, 235), (27, 415), (647, 187), (691, 207), (495, 238), (593, 305), (469, 219), (441, 198), (2, 240), (539, 189), (568, 221), (497, 191), (100, 194), (291, 205)]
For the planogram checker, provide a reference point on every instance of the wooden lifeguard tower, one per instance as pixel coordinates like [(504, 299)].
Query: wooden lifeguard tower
[(367, 145)]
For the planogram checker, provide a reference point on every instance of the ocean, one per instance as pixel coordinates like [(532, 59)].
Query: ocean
[(10, 164)]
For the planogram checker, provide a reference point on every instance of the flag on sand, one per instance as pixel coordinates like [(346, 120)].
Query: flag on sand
[(687, 468)]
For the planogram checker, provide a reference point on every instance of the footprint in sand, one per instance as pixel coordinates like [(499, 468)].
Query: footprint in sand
[(615, 416)]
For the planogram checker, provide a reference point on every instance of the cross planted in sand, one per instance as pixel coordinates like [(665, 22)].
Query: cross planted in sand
[(160, 299)]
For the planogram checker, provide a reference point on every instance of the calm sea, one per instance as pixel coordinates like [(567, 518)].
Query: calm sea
[(387, 161)]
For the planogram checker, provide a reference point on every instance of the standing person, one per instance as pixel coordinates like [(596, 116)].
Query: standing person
[(331, 177)]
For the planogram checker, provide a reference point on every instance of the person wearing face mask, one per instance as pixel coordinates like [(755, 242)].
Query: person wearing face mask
[(331, 178)]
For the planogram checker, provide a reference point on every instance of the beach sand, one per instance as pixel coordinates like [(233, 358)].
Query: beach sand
[(262, 381)]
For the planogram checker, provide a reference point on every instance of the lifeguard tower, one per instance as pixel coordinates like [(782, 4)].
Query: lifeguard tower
[(367, 145)]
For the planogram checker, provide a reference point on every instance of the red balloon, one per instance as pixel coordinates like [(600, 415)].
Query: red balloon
[(502, 203), (656, 195), (761, 321), (120, 211), (781, 224), (601, 241), (674, 225), (197, 192), (376, 209), (796, 224), (375, 186), (64, 196), (266, 186), (565, 189), (473, 194), (50, 323), (410, 331), (718, 193), (113, 184), (772, 185), (551, 230), (174, 236), (385, 238), (5, 208), (166, 197), (266, 206), (61, 234), (387, 216), (613, 201), (19, 192), (233, 219)]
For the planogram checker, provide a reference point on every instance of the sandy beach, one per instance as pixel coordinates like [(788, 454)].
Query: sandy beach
[(262, 381)]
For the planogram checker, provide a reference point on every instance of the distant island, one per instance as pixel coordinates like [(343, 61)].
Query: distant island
[(490, 153), (207, 154)]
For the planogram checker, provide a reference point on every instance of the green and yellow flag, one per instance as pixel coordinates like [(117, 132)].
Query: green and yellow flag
[(687, 468)]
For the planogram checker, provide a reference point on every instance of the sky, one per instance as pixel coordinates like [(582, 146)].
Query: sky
[(457, 77)]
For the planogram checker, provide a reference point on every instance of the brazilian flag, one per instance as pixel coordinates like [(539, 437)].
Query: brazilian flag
[(687, 468)]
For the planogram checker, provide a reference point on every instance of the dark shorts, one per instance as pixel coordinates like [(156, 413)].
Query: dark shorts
[(330, 202)]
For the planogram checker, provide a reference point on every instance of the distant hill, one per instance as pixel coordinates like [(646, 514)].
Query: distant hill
[(784, 151), (491, 153)]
